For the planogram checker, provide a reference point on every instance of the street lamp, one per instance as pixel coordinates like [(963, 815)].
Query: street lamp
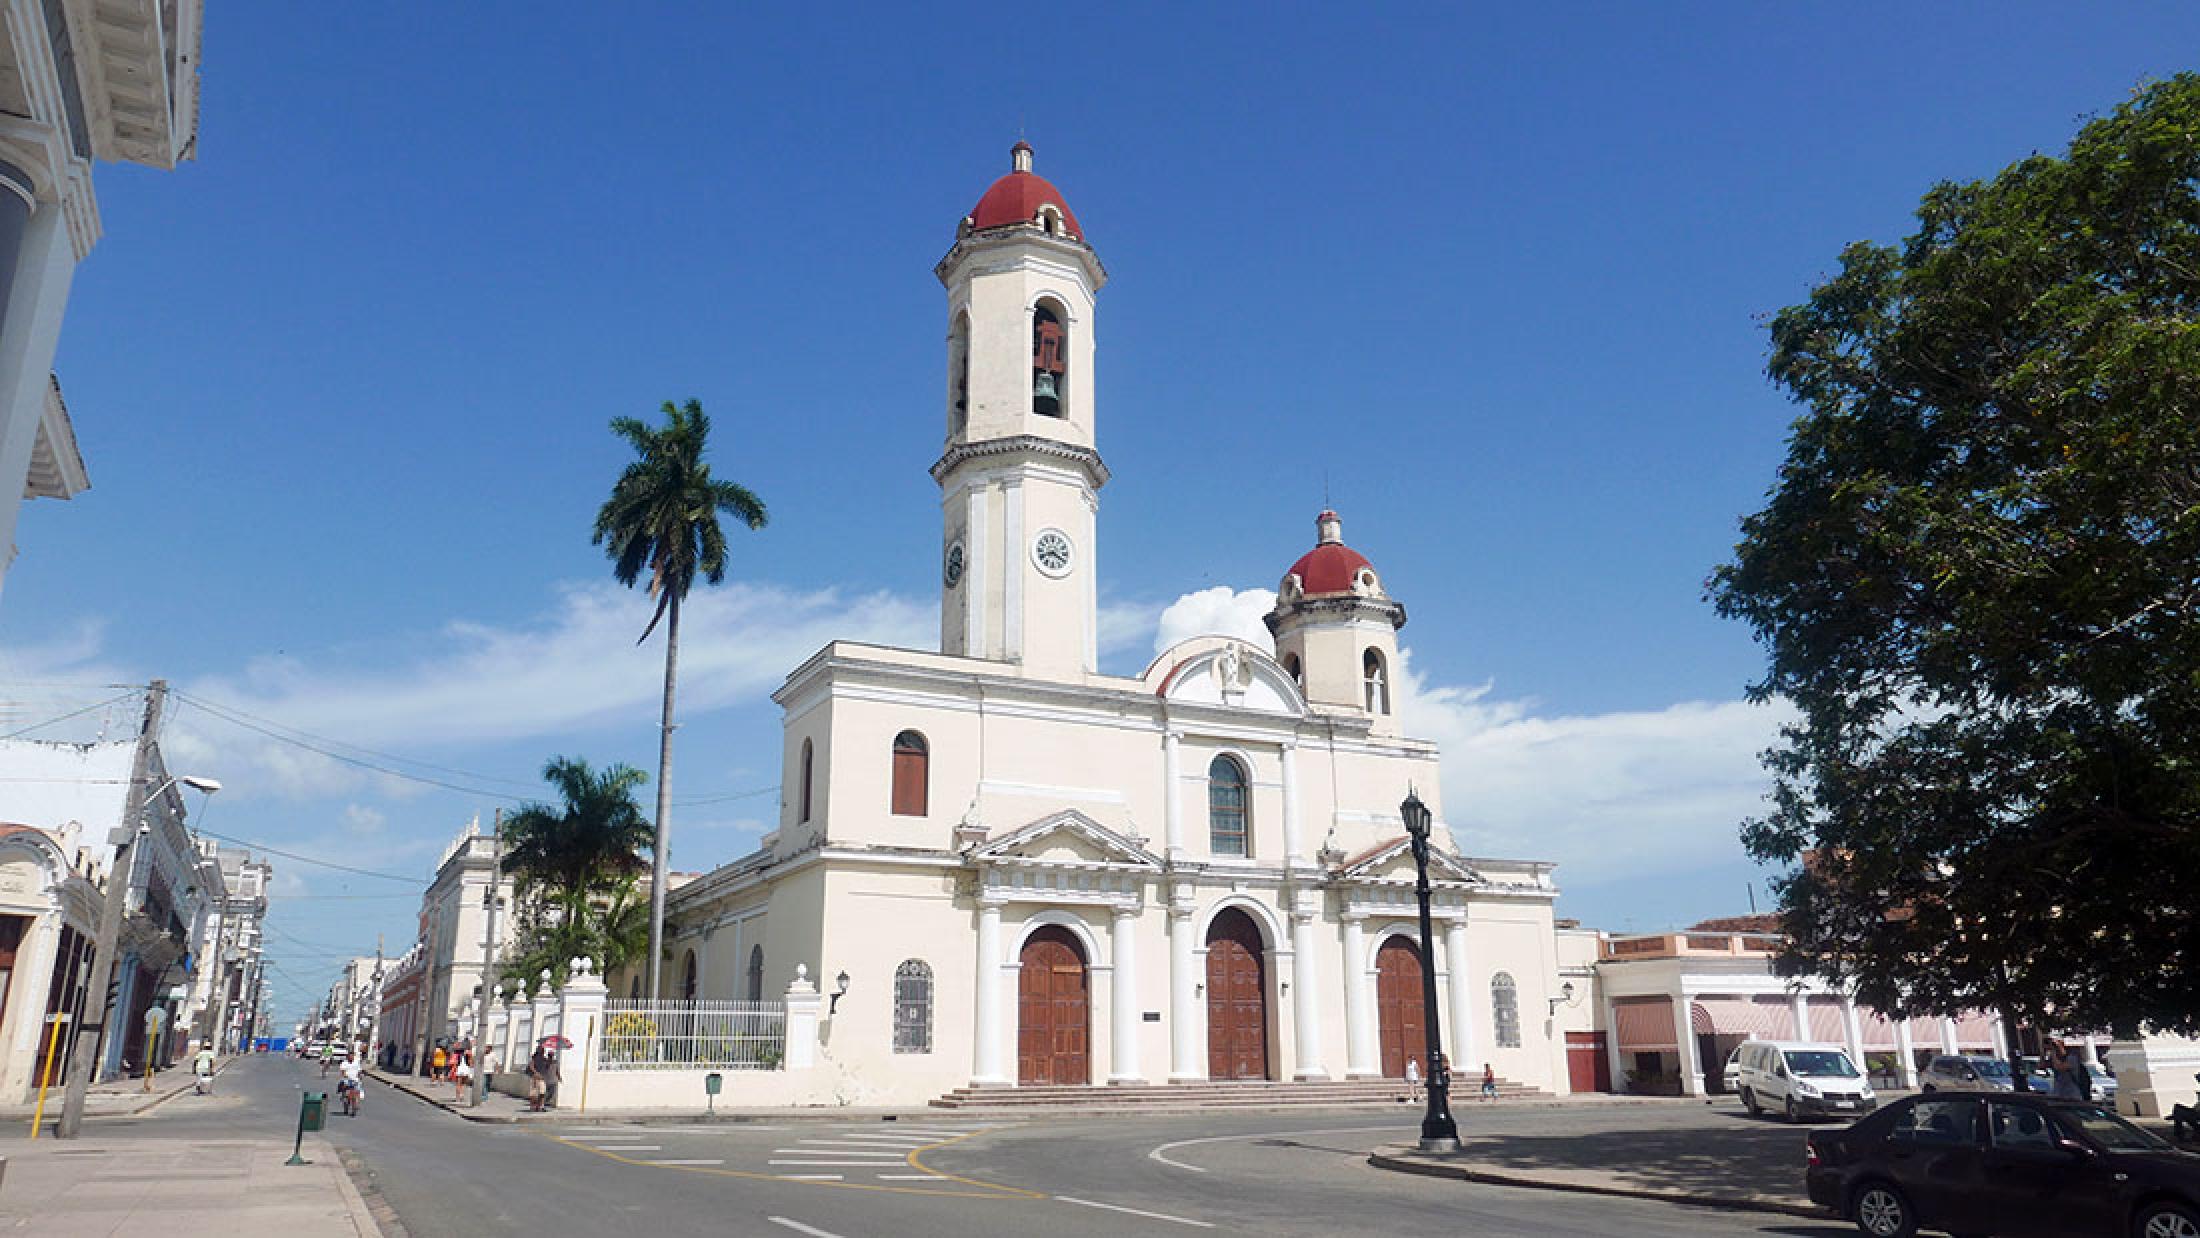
[(1438, 1132)]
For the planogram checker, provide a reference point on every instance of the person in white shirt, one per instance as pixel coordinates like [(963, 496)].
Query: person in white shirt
[(351, 1081)]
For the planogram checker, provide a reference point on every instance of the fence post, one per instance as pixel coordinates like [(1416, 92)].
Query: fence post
[(803, 1003), (580, 1017), (546, 1004)]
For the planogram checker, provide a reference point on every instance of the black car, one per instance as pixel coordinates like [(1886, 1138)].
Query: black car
[(2011, 1164)]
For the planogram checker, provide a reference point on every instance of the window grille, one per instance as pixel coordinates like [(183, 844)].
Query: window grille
[(1505, 1010), (913, 1007)]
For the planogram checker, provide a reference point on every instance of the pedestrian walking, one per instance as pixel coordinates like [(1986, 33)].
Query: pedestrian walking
[(542, 1077), (2065, 1072), (437, 1062), (462, 1073), (202, 1070), (1413, 1079), (1489, 1082)]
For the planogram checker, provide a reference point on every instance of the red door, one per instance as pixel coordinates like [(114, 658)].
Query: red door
[(1398, 1025), (1237, 999), (1052, 1010), (1588, 1062)]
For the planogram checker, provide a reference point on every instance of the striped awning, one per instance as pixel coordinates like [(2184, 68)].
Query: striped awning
[(1975, 1031), (1758, 1018), (1645, 1025), (1878, 1029), (1826, 1025)]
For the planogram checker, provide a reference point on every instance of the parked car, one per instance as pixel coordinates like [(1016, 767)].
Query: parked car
[(1801, 1080), (2101, 1083), (1731, 1078), (1959, 1072), (2020, 1166)]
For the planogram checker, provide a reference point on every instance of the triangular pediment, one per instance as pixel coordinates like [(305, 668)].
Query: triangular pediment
[(1392, 862), (1067, 838)]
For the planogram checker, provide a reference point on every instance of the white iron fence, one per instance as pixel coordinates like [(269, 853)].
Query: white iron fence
[(692, 1036)]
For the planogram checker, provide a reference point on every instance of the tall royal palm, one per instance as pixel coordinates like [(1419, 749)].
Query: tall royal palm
[(662, 518)]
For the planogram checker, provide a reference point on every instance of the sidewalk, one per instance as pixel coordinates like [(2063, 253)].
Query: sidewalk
[(178, 1188), (496, 1107), (119, 1098)]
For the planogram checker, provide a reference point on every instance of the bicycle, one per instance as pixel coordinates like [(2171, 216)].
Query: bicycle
[(349, 1092)]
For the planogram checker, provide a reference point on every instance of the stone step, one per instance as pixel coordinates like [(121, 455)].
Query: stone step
[(1207, 1095)]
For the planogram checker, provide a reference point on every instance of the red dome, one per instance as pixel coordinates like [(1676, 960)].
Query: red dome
[(1016, 198), (1329, 568)]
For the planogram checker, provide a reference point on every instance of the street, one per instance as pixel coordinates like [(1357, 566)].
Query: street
[(1269, 1173)]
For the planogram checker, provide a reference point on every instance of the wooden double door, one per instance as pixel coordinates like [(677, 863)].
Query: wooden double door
[(1237, 999), (1053, 1010), (1399, 1027)]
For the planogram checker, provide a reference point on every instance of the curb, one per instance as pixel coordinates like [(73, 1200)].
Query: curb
[(1410, 1164)]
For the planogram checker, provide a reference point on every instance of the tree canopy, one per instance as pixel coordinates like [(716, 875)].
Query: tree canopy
[(1978, 580), (576, 864), (663, 511)]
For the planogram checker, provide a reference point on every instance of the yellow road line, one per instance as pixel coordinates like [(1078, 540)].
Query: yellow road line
[(990, 1190)]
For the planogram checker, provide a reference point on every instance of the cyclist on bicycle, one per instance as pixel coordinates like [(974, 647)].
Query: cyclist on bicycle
[(348, 1086)]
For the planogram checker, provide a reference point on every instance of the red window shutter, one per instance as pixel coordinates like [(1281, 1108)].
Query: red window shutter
[(909, 783)]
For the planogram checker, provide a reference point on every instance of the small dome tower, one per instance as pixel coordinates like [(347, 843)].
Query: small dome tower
[(1337, 631)]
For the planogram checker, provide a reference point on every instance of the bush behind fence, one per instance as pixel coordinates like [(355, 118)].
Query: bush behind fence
[(695, 1035)]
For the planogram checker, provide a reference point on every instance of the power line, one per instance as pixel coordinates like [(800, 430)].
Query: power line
[(720, 799), (359, 762), (75, 713), (236, 713), (307, 859)]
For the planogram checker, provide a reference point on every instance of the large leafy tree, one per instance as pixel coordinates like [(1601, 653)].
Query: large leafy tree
[(662, 521), (1978, 579), (576, 863)]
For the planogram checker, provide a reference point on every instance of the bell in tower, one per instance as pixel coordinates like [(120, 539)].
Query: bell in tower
[(1048, 365)]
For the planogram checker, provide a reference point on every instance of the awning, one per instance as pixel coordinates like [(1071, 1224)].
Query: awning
[(1645, 1025), (1758, 1018)]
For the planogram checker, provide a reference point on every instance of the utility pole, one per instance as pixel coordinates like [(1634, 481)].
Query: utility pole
[(374, 1015), (489, 977), (125, 837)]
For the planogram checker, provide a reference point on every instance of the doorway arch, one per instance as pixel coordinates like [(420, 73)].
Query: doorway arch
[(1237, 998), (1053, 1009), (1398, 1016)]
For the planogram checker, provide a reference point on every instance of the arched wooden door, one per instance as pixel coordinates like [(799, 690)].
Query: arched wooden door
[(1237, 999), (1052, 1010), (1398, 1007)]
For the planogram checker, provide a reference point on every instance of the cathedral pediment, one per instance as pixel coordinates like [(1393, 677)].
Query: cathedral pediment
[(1391, 863), (1221, 670), (1067, 839)]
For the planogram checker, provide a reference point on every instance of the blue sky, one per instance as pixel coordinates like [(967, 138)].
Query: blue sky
[(1492, 279)]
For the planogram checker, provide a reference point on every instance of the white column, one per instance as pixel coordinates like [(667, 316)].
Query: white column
[(1185, 1063), (804, 1005), (580, 1020), (1293, 852), (1359, 1024), (2001, 1036), (1799, 1006), (986, 1040), (1905, 1053), (2090, 1047), (1306, 1008), (1461, 1014), (1852, 1026), (1947, 1035), (1123, 1000), (1691, 1061), (1172, 794), (1611, 1048)]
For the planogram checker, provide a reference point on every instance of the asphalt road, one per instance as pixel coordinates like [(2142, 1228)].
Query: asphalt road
[(956, 1177)]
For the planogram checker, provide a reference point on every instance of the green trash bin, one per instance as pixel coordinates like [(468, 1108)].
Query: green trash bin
[(312, 1116)]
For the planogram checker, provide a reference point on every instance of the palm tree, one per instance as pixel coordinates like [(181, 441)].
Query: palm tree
[(589, 845), (663, 515)]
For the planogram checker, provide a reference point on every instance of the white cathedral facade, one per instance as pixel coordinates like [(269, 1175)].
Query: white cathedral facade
[(1032, 873)]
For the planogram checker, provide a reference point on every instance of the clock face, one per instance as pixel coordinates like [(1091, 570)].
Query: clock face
[(1051, 551), (953, 569)]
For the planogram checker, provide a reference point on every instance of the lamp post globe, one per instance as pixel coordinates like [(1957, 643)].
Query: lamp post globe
[(1439, 1133)]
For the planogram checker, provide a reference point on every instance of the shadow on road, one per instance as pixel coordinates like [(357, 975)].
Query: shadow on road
[(1741, 1161)]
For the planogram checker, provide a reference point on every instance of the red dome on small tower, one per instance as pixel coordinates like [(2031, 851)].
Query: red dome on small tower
[(1331, 566), (1022, 198)]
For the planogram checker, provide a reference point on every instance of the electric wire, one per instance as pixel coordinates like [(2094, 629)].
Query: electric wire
[(307, 859), (74, 713)]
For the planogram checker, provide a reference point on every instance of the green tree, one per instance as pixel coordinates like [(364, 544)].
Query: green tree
[(662, 518), (572, 859), (1978, 580)]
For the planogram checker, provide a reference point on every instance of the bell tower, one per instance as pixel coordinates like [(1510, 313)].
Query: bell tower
[(1020, 478), (1336, 629)]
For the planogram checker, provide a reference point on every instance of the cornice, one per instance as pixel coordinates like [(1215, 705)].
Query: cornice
[(1085, 458), (1334, 606)]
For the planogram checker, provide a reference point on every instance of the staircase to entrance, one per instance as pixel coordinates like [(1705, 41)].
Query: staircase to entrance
[(1254, 1094)]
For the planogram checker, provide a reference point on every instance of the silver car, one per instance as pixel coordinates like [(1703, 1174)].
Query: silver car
[(1958, 1072)]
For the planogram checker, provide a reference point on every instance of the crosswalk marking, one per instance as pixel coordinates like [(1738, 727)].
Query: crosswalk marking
[(674, 1162), (834, 1164), (811, 1178), (833, 1152), (909, 1178)]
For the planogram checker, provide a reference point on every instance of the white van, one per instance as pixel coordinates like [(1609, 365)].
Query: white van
[(1799, 1080)]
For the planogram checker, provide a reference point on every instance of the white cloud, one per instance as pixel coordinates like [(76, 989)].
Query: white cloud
[(1219, 611)]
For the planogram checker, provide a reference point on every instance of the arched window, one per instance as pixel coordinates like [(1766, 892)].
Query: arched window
[(1376, 682), (1505, 1010), (756, 973), (911, 761), (1049, 363), (804, 792), (1226, 783), (688, 978), (958, 375), (913, 1007)]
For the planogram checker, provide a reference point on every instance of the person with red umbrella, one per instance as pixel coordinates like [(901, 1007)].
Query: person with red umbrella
[(542, 1073)]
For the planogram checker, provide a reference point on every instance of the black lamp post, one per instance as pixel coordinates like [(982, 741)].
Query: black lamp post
[(1438, 1132)]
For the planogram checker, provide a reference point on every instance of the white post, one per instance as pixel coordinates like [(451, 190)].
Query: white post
[(804, 1004), (512, 1058), (1359, 1030), (2090, 1047), (986, 1038), (1123, 998), (1612, 1050), (580, 1020), (1293, 853), (1185, 1065), (1684, 1031), (2001, 1036), (1172, 807), (1905, 1049), (1852, 1026), (546, 1005), (1799, 1006), (1948, 1035), (1463, 1049), (1305, 995)]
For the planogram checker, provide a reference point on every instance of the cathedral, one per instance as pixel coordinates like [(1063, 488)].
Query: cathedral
[(1010, 870)]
